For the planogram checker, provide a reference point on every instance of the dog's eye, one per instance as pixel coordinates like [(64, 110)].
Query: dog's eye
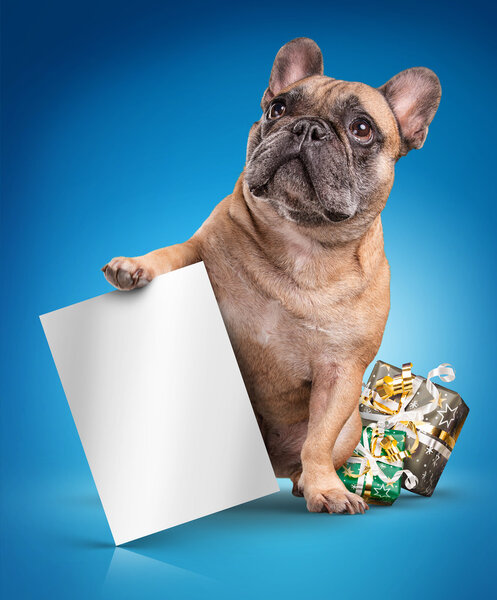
[(361, 130), (277, 110)]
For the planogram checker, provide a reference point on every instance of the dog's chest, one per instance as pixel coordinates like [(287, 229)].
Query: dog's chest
[(276, 342)]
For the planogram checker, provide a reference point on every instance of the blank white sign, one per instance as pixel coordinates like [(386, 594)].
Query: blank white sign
[(159, 403)]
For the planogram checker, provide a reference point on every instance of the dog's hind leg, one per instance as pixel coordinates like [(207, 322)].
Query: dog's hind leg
[(295, 477)]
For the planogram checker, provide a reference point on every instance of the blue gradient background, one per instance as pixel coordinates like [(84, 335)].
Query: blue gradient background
[(123, 124)]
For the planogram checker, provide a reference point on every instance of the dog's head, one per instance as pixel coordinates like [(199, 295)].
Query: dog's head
[(324, 151)]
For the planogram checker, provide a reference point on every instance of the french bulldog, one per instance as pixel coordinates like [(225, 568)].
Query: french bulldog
[(296, 260)]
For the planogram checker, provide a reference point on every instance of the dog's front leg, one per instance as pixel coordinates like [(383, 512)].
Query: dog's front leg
[(134, 272), (334, 398)]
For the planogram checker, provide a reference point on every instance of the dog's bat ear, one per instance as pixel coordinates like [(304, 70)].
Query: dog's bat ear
[(295, 60), (413, 96)]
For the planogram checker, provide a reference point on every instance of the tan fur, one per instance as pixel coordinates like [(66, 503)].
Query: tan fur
[(305, 309)]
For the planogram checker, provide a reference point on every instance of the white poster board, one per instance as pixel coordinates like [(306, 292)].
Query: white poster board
[(159, 404)]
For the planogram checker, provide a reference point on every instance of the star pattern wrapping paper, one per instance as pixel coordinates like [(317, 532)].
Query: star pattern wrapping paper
[(437, 434)]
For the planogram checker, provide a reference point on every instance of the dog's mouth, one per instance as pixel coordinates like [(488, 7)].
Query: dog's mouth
[(259, 190), (264, 191), (336, 217)]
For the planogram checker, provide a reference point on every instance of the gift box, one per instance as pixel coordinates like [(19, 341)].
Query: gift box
[(375, 469), (431, 415)]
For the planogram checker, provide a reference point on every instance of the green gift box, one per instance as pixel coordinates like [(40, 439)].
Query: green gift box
[(374, 470)]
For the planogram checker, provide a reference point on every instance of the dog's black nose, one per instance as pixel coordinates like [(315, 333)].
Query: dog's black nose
[(311, 130)]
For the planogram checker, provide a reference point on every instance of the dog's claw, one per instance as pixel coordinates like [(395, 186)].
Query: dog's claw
[(336, 501)]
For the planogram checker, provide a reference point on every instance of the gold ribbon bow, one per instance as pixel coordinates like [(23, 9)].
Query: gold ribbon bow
[(388, 387), (392, 386), (379, 441), (388, 444)]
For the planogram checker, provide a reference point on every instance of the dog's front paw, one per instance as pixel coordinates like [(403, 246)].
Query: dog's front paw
[(127, 273), (334, 500)]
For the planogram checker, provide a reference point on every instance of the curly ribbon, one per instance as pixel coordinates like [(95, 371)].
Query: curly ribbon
[(395, 416), (446, 373), (368, 455)]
